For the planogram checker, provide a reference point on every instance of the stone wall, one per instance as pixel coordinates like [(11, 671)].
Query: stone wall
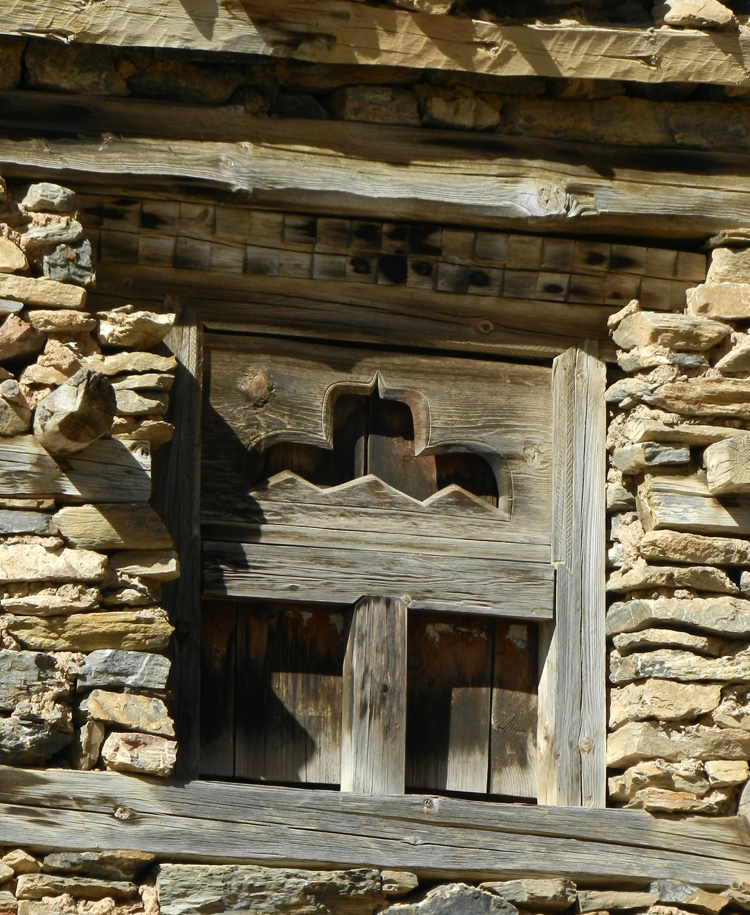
[(132, 883), (679, 621), (82, 553)]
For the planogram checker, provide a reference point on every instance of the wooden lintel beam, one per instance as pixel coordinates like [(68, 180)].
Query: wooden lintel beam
[(411, 173), (341, 31), (436, 837)]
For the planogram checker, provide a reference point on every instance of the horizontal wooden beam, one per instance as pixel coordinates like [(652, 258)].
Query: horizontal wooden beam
[(412, 173), (436, 837), (341, 32)]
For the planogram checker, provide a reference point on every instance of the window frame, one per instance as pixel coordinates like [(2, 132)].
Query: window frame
[(572, 691)]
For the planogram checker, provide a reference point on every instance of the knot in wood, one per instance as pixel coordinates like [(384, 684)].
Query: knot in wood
[(123, 813), (257, 387)]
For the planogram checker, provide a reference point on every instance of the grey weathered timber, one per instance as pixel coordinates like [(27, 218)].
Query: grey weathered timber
[(106, 471), (177, 500), (373, 730), (354, 312), (684, 503), (500, 182), (347, 32), (328, 575), (435, 837), (572, 699)]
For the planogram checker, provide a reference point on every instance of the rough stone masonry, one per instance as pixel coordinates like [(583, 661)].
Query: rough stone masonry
[(82, 553)]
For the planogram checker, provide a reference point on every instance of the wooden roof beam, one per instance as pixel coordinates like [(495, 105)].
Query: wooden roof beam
[(416, 174), (345, 32)]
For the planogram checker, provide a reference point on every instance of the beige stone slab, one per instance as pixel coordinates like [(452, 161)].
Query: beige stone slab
[(41, 292), (729, 265), (38, 886), (684, 775), (129, 712), (683, 547), (636, 741), (648, 639), (61, 321), (728, 301), (670, 664), (665, 700), (725, 616), (34, 562), (138, 630), (645, 577), (685, 333), (144, 754)]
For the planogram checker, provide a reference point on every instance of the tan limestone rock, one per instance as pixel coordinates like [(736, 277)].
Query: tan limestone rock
[(6, 873), (722, 615), (669, 664), (675, 546), (46, 197), (60, 356), (31, 599), (648, 639), (725, 773), (61, 321), (130, 363), (377, 104), (685, 333), (700, 397), (113, 526), (147, 629), (86, 745), (729, 265), (609, 900), (132, 403), (103, 865), (146, 754), (35, 562), (18, 338), (38, 886), (734, 709), (12, 258), (664, 700), (659, 800), (154, 431), (699, 578), (41, 293), (728, 465), (42, 374), (21, 862), (634, 459), (398, 883), (684, 775), (148, 381), (642, 429), (552, 894), (636, 741), (458, 111), (676, 892), (15, 413), (161, 566), (127, 327), (129, 711), (738, 894)]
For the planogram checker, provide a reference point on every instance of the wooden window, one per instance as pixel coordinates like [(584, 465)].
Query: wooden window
[(478, 523)]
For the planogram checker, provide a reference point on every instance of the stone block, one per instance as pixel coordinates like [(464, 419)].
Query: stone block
[(61, 321), (12, 258), (664, 700), (734, 709), (133, 403), (728, 465), (70, 263), (43, 599), (140, 630), (649, 639), (113, 526), (45, 197), (24, 674), (51, 232), (684, 333), (676, 892), (133, 670), (693, 14), (726, 773), (729, 265), (660, 800), (674, 546), (159, 566), (669, 664), (41, 293), (18, 338), (86, 745), (130, 363), (102, 865), (552, 894), (684, 775), (645, 577), (127, 327), (634, 459), (636, 741), (29, 742), (377, 104), (81, 68), (725, 616), (723, 301), (38, 886), (34, 562), (128, 711), (21, 862), (614, 900), (144, 754)]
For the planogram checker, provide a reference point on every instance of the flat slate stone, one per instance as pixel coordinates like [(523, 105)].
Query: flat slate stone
[(103, 865), (27, 673), (26, 523), (684, 666), (45, 197), (229, 889), (727, 616), (26, 742), (136, 670), (455, 898), (37, 886)]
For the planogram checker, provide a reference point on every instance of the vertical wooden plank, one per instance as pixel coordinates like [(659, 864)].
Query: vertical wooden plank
[(390, 449), (289, 662), (217, 675), (593, 642), (514, 710), (177, 499), (373, 740), (448, 703), (572, 721)]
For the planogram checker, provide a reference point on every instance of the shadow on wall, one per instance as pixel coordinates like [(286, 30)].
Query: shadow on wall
[(204, 14)]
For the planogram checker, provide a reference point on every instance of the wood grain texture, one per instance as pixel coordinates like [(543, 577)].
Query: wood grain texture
[(309, 573), (373, 722), (572, 702), (684, 503), (435, 837), (177, 499), (106, 471), (347, 32), (498, 181)]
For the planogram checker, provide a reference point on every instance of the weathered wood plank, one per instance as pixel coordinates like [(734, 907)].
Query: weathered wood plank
[(373, 723), (572, 717), (348, 311), (501, 182), (448, 710), (309, 573), (289, 689), (106, 471), (346, 32), (436, 837), (177, 499), (684, 503), (218, 681)]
